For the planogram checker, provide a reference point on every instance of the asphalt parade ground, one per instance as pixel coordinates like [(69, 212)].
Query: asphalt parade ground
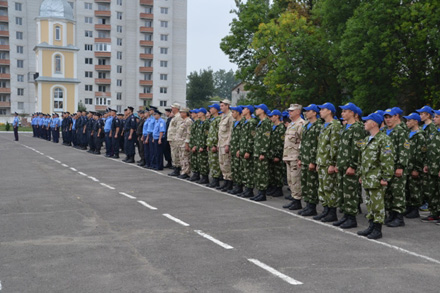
[(76, 222)]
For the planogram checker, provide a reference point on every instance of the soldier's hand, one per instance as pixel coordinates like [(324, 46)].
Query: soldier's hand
[(415, 174), (160, 141), (398, 173), (331, 170), (214, 149), (187, 147), (129, 137), (350, 171), (194, 149), (298, 163), (201, 150), (312, 167), (247, 156), (360, 180), (336, 170), (237, 154), (383, 183), (261, 157), (227, 149), (276, 160), (425, 169)]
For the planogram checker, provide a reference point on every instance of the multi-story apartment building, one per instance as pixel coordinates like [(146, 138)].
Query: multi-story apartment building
[(124, 52)]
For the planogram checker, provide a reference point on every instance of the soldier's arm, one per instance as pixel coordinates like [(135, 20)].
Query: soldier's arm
[(334, 144), (420, 153), (355, 148), (401, 160), (265, 139), (314, 142), (386, 157)]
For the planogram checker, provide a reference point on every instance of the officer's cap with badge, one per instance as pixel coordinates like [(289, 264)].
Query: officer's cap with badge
[(349, 106), (215, 106), (263, 107), (203, 110), (157, 112), (250, 108), (413, 116), (390, 112), (312, 107), (426, 109), (328, 106), (237, 109), (398, 111), (374, 117)]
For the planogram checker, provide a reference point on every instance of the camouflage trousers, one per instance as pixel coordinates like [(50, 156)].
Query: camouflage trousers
[(214, 166), (414, 191), (202, 160), (225, 163), (309, 183), (293, 178), (195, 165), (236, 172), (426, 195), (247, 170), (261, 173), (276, 172), (348, 193), (375, 204), (327, 190), (395, 194), (434, 192), (175, 153), (185, 159)]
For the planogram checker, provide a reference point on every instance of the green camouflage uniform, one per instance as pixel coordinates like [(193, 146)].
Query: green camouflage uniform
[(433, 163), (276, 170), (247, 137), (417, 153), (235, 147), (327, 152), (348, 156), (309, 144), (376, 164), (212, 141), (427, 131), (195, 166), (201, 143), (262, 147), (395, 193)]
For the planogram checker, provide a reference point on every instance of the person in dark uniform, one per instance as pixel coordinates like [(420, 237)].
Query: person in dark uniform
[(166, 144), (98, 133), (140, 143), (89, 132), (56, 123), (15, 125), (115, 134), (130, 136), (123, 120), (158, 134), (69, 125)]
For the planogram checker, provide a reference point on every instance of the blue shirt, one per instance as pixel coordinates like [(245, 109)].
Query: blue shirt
[(347, 126), (144, 128), (309, 125), (40, 121), (150, 124), (389, 131), (74, 124), (108, 124), (411, 134), (16, 122), (159, 126), (45, 122), (34, 121)]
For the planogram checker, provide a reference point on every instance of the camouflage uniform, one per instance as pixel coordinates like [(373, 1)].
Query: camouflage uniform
[(235, 146), (195, 166), (326, 154), (201, 143), (224, 139), (433, 163), (247, 137), (376, 164), (309, 143), (291, 152), (183, 136), (427, 131), (175, 149), (395, 193), (212, 141), (348, 156), (276, 170), (262, 147), (416, 162)]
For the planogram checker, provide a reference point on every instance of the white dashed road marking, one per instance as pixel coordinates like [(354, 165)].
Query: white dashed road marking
[(147, 205), (73, 169), (127, 195), (93, 178), (216, 241), (81, 173), (275, 272), (64, 165), (108, 186), (176, 220)]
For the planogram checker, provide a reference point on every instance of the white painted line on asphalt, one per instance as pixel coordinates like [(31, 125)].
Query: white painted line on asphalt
[(274, 272), (1, 285), (146, 205), (108, 186), (127, 195), (41, 154), (64, 165), (73, 169), (176, 220), (50, 158), (216, 241), (81, 173), (93, 178), (56, 161)]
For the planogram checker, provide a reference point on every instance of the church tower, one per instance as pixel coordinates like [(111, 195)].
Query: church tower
[(56, 79)]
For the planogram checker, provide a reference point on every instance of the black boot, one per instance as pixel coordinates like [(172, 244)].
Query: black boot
[(195, 177), (175, 173), (304, 209), (214, 183), (341, 221), (126, 159), (397, 222), (256, 196), (223, 185), (331, 216), (270, 190), (230, 186), (288, 205), (116, 156), (278, 192), (413, 213), (311, 211), (391, 216), (350, 222), (248, 193), (204, 179), (367, 231), (321, 215), (141, 163), (261, 197), (377, 231), (359, 209), (407, 211), (236, 190), (130, 160), (296, 205), (183, 176)]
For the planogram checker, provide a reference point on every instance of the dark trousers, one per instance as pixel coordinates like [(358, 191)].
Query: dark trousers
[(16, 133), (49, 133), (34, 131), (108, 144), (98, 143), (151, 147), (166, 150), (56, 135), (158, 155), (129, 144), (115, 144), (141, 148), (91, 141), (74, 138), (147, 153)]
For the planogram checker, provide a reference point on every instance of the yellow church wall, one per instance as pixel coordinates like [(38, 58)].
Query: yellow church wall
[(68, 58), (55, 42), (70, 34), (47, 96)]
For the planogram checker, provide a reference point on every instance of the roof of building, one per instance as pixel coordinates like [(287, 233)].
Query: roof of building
[(56, 9)]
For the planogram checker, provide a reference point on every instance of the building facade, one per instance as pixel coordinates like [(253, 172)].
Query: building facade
[(110, 53)]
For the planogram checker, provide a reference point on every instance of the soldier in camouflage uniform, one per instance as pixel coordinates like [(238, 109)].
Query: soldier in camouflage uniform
[(172, 129), (399, 113), (224, 145), (326, 154), (416, 161), (202, 155), (183, 136), (395, 202), (352, 136), (276, 164), (235, 147), (246, 151), (432, 169), (376, 170), (307, 160), (211, 143), (261, 152), (195, 129)]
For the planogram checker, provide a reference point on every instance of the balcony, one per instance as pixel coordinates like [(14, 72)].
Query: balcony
[(146, 43), (103, 81), (103, 94), (4, 4), (145, 69), (5, 61), (5, 104), (145, 82), (103, 54), (100, 108), (146, 29), (4, 18), (103, 1), (146, 56), (4, 48), (147, 2), (103, 27), (146, 16), (5, 76), (103, 40), (145, 96), (4, 33), (102, 67), (5, 90), (103, 13)]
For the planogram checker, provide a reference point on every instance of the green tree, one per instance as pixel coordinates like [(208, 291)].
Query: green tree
[(200, 88), (224, 81), (81, 106)]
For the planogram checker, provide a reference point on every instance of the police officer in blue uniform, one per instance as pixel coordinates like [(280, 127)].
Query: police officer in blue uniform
[(15, 125), (115, 134), (130, 136), (107, 130), (34, 123), (98, 133), (89, 130), (159, 131), (56, 124)]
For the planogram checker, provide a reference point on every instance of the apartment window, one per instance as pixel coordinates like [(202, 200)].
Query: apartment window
[(163, 103), (20, 105), (58, 64), (20, 78), (88, 47), (89, 88), (4, 55), (118, 97), (57, 33), (164, 10), (148, 63), (119, 69), (4, 98), (147, 90), (148, 37), (148, 50), (18, 6), (20, 63), (58, 95), (89, 34), (88, 101), (19, 21), (102, 61), (119, 28), (4, 41), (147, 76), (163, 50), (89, 74), (149, 9), (19, 35), (102, 34), (149, 23), (119, 15), (164, 77), (20, 49), (163, 63), (3, 69), (119, 42), (102, 88), (89, 60), (102, 101), (119, 108), (119, 2), (101, 47), (102, 75), (88, 6), (163, 23), (3, 84), (119, 82), (88, 19), (20, 92), (163, 90), (164, 37)]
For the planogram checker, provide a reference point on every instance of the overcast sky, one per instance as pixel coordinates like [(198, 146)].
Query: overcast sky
[(208, 23)]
